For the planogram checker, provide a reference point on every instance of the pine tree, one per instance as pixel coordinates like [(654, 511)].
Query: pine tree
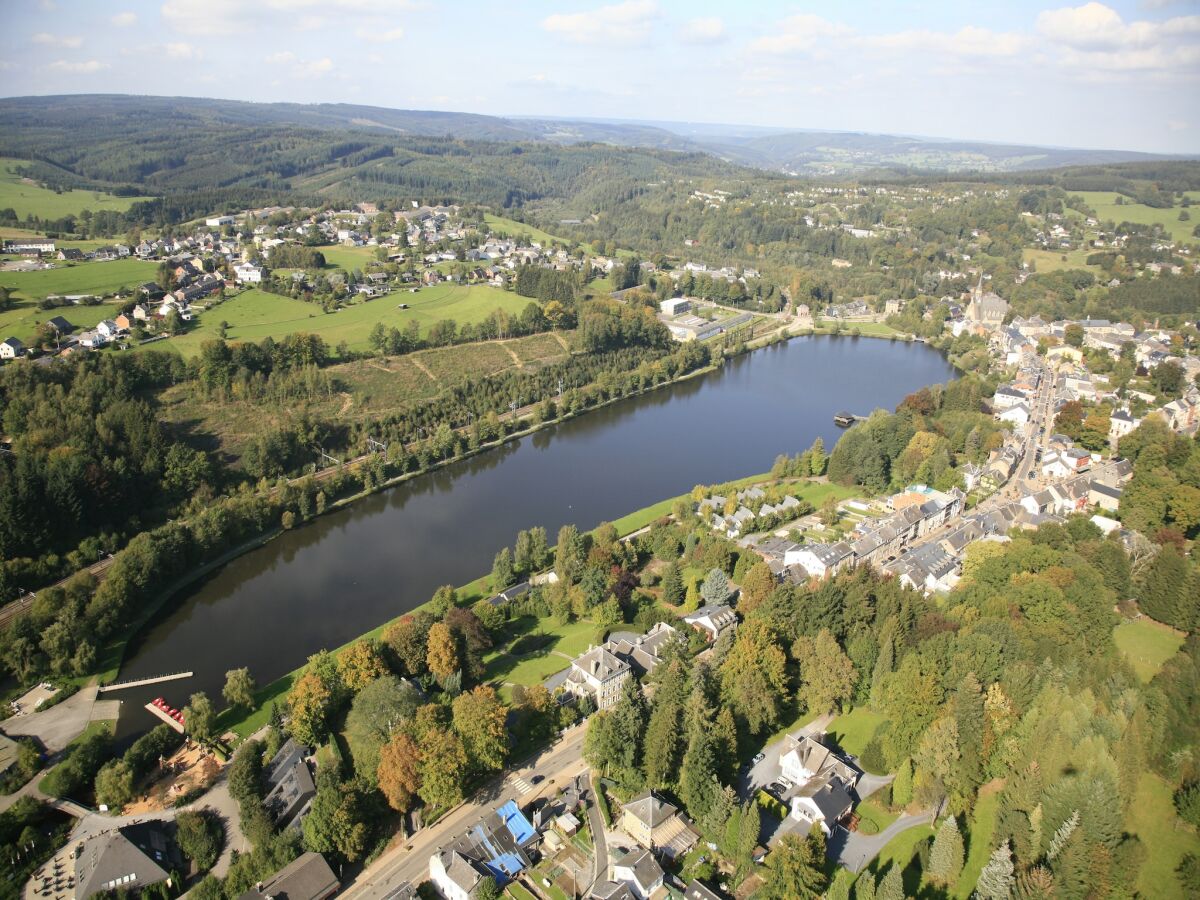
[(891, 886), (1062, 835), (1035, 884), (996, 880), (817, 458), (672, 585), (716, 587), (946, 856), (864, 887)]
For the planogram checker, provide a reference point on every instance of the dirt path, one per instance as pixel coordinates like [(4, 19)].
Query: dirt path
[(513, 353), (561, 340), (424, 368)]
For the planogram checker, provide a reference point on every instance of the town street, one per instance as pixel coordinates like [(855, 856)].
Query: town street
[(409, 862)]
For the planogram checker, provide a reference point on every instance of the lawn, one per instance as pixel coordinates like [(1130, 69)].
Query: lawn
[(254, 315), (1147, 644), (26, 198), (876, 815), (978, 833), (514, 228), (348, 258), (853, 731), (1107, 209), (562, 643), (98, 278), (899, 851), (23, 318), (1052, 260), (1165, 839)]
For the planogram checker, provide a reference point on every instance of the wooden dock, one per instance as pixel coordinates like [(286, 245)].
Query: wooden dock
[(139, 682), (162, 714)]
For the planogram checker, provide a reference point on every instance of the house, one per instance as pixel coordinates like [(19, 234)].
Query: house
[(1007, 397), (641, 652), (1102, 495), (611, 890), (819, 560), (248, 273), (712, 620), (821, 782), (640, 871), (929, 568), (108, 328), (308, 877), (73, 254), (1121, 423), (11, 348), (290, 785), (1017, 415), (28, 246), (218, 221), (124, 322), (60, 325), (128, 859), (597, 674), (498, 846), (696, 890), (657, 825)]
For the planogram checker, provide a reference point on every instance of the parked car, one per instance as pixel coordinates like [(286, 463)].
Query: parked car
[(759, 757)]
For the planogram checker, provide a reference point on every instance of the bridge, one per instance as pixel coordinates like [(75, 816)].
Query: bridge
[(139, 682)]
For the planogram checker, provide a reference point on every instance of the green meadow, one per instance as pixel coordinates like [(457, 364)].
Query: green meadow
[(1107, 209), (27, 198)]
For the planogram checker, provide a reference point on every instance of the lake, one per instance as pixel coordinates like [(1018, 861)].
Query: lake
[(344, 573)]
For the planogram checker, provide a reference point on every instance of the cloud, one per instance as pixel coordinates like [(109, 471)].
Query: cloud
[(301, 68), (798, 34), (77, 68), (283, 56), (1096, 44), (968, 41), (202, 16), (124, 20), (72, 42), (707, 30), (380, 37), (619, 22), (319, 66), (182, 51)]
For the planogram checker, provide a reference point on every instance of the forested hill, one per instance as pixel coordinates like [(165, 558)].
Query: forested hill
[(812, 153), (218, 153)]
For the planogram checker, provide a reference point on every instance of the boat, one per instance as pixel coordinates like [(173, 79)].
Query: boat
[(844, 419)]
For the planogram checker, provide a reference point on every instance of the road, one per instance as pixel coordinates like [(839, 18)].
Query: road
[(409, 861)]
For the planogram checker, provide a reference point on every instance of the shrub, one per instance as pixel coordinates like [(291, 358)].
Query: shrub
[(200, 837)]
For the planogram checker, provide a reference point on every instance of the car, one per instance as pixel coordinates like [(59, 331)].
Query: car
[(759, 757), (537, 779)]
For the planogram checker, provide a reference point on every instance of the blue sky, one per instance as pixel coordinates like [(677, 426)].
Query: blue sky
[(1114, 75)]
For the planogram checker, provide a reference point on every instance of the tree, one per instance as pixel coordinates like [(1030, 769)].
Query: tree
[(408, 640), (1164, 589), (1073, 335), (309, 704), (716, 588), (487, 889), (200, 717), (200, 837), (672, 585), (337, 822), (443, 769), (479, 719), (379, 710), (946, 856), (503, 571), (817, 458), (996, 880), (827, 675), (399, 771), (114, 784), (442, 655), (757, 586), (360, 664), (239, 688), (568, 554), (754, 677), (795, 869), (1187, 803), (891, 885), (902, 787)]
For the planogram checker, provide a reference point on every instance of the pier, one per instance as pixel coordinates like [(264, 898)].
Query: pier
[(138, 682)]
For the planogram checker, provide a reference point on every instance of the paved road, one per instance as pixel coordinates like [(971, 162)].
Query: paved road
[(855, 850), (409, 861), (599, 836)]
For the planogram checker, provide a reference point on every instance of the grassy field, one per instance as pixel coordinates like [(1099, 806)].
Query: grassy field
[(254, 315), (58, 242), (27, 198), (1165, 839), (553, 646), (23, 319), (514, 228), (854, 730), (98, 278), (348, 258), (1105, 205), (1147, 644), (978, 833), (1044, 261)]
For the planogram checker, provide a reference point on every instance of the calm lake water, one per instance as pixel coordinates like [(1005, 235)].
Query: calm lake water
[(345, 573)]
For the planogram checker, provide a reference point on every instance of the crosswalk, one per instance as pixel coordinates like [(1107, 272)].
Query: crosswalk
[(523, 787)]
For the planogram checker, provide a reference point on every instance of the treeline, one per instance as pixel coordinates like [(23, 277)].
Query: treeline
[(548, 284), (296, 256), (931, 434)]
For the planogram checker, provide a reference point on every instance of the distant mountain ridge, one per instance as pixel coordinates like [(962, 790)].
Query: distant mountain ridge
[(801, 152)]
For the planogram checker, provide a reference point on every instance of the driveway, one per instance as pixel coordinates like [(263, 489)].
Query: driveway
[(855, 850), (766, 770), (599, 836)]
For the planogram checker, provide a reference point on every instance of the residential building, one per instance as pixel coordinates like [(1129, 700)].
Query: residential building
[(290, 785), (640, 871), (597, 674), (712, 620), (657, 825), (819, 560), (11, 348), (125, 859), (308, 877), (501, 845), (821, 782)]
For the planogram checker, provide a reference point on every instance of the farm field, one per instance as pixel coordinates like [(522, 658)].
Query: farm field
[(348, 258), (1105, 205), (1146, 644), (26, 198), (254, 315), (98, 278), (363, 389), (515, 228)]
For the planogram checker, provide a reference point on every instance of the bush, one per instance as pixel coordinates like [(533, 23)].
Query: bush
[(28, 761), (872, 757), (1187, 803), (76, 773)]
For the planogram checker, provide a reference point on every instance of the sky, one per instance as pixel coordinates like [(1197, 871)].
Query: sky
[(1115, 75)]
